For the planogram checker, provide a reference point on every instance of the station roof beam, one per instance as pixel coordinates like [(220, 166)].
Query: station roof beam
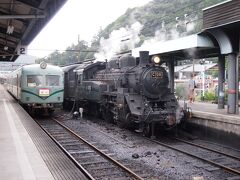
[(21, 21)]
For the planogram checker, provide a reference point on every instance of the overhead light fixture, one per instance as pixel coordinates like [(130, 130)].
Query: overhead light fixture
[(10, 29), (5, 48)]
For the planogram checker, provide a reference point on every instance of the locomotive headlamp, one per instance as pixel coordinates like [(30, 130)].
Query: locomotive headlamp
[(43, 65), (120, 106), (156, 59)]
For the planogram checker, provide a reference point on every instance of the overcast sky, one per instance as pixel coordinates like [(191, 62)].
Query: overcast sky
[(78, 17)]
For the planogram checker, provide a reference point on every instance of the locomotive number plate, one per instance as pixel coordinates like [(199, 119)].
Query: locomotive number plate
[(44, 92), (157, 74)]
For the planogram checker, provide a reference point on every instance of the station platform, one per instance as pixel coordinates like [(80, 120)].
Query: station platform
[(208, 114), (26, 151)]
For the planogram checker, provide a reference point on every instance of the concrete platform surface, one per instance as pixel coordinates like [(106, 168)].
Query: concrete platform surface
[(19, 158), (210, 111), (27, 152), (209, 116)]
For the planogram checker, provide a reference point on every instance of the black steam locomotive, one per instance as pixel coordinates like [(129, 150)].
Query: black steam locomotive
[(124, 91)]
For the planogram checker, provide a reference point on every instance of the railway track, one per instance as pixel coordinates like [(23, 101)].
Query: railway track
[(207, 148), (95, 162), (219, 159), (212, 160)]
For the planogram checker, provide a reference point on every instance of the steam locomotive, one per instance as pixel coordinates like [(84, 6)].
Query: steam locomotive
[(124, 91)]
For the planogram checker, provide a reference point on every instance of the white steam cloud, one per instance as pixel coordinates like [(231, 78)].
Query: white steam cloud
[(182, 28), (119, 40), (126, 38)]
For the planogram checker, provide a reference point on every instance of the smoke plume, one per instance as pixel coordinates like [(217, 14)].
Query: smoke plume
[(119, 40)]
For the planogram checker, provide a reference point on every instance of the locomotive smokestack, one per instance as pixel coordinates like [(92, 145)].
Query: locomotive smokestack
[(144, 58)]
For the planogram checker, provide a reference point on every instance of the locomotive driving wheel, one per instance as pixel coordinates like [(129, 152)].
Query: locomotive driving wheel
[(95, 110), (120, 123), (106, 115), (147, 130)]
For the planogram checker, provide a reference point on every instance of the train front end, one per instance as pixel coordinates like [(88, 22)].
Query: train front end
[(42, 87), (152, 104), (160, 104)]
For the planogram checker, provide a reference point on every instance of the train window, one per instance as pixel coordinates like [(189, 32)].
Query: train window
[(52, 80), (34, 80)]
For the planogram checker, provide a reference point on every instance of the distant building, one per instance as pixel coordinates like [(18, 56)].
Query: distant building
[(6, 67), (185, 71), (21, 60)]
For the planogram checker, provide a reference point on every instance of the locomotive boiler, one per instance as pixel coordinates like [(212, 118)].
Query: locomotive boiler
[(128, 92)]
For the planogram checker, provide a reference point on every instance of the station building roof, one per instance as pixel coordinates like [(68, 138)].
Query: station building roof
[(197, 67), (181, 67), (219, 36), (21, 21), (193, 46)]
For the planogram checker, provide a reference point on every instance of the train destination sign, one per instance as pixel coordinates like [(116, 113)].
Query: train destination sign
[(44, 92)]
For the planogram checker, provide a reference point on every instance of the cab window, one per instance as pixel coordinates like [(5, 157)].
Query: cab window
[(34, 81), (52, 80)]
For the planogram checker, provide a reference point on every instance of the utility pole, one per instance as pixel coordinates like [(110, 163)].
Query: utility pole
[(78, 54), (193, 68), (202, 62)]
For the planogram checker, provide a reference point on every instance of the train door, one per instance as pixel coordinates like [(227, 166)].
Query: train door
[(80, 85), (12, 81), (20, 86), (66, 81), (17, 84)]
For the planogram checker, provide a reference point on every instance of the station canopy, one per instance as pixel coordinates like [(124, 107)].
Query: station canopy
[(194, 46), (21, 21)]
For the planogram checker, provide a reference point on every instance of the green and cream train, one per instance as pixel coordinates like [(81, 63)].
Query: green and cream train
[(38, 87)]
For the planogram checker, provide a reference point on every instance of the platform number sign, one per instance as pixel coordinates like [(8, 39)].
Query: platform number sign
[(22, 50)]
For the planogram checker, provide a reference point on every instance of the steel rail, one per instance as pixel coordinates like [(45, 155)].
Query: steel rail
[(204, 147), (198, 157), (100, 152), (82, 169)]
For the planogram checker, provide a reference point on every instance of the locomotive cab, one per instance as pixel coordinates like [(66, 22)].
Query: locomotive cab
[(127, 61)]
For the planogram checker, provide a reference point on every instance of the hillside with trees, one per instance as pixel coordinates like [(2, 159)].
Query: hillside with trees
[(159, 20)]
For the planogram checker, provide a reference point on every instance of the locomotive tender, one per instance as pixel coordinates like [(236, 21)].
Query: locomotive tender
[(125, 92), (37, 86)]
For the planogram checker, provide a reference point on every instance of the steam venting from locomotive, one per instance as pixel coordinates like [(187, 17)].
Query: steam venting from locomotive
[(119, 40)]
